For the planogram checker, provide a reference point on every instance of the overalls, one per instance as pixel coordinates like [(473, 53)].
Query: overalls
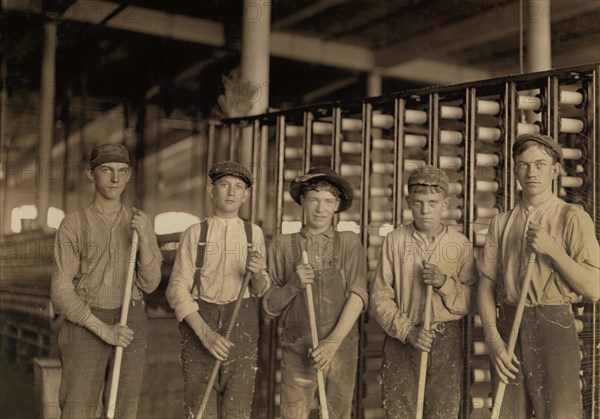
[(299, 379)]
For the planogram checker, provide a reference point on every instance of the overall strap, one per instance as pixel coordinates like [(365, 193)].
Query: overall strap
[(200, 252), (248, 230), (337, 244), (83, 246)]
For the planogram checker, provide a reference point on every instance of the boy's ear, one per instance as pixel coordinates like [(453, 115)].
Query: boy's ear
[(446, 202), (90, 174)]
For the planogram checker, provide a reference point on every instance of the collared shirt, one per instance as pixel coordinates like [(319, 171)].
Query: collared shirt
[(108, 252), (398, 291), (320, 249), (505, 254), (224, 265)]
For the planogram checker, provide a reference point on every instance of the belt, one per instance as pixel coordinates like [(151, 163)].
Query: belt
[(443, 327)]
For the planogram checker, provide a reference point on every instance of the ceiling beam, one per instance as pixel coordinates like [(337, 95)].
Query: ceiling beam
[(309, 11), (499, 22), (435, 72)]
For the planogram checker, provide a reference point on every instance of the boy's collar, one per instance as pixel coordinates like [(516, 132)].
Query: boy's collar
[(328, 233)]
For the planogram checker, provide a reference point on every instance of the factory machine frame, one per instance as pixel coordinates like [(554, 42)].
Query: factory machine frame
[(468, 130)]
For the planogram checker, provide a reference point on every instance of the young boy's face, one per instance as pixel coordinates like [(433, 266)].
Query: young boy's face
[(427, 209), (535, 171), (110, 179), (228, 194), (319, 208)]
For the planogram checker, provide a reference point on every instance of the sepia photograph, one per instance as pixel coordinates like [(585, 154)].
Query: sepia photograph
[(300, 209)]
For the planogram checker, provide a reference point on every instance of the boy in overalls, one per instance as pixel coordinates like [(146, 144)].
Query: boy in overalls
[(337, 271)]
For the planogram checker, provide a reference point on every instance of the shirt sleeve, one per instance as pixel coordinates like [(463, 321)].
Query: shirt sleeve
[(582, 245), (276, 262), (488, 261), (181, 282), (67, 265), (355, 267), (149, 275), (459, 291), (384, 306), (258, 243)]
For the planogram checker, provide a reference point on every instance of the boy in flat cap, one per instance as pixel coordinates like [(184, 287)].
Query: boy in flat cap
[(91, 252), (337, 271), (424, 252), (212, 258), (553, 243)]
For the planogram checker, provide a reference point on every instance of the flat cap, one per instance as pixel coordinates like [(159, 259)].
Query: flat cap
[(326, 174), (109, 153), (429, 176), (544, 140), (230, 168)]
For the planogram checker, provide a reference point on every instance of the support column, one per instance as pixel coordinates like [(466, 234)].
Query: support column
[(256, 31), (539, 47), (46, 122)]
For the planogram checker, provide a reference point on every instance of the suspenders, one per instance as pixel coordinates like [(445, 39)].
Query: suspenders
[(85, 262), (202, 247)]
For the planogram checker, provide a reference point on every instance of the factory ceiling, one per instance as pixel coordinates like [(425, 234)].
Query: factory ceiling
[(173, 54)]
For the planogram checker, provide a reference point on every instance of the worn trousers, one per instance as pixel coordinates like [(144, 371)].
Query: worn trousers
[(400, 374), (231, 395), (87, 363), (548, 351), (299, 381)]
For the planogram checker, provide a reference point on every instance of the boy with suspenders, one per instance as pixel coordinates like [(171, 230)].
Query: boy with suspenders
[(337, 270), (553, 244), (211, 260)]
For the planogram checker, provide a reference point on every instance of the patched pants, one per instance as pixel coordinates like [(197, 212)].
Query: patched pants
[(87, 363), (299, 381), (548, 378), (400, 373), (232, 393)]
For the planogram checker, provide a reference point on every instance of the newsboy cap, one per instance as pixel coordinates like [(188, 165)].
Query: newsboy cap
[(323, 173), (230, 168), (429, 176), (109, 153), (544, 140)]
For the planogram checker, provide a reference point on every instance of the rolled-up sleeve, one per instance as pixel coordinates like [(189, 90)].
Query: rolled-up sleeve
[(67, 263), (580, 234), (181, 282), (149, 275), (488, 262), (276, 263), (355, 267), (258, 243), (458, 292), (384, 306)]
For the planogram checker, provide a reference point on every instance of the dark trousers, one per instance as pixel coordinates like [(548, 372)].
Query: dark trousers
[(87, 365), (299, 381), (232, 393), (400, 373), (548, 378)]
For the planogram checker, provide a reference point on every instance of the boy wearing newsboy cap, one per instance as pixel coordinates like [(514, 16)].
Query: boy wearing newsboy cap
[(424, 252), (553, 244), (91, 252), (212, 258)]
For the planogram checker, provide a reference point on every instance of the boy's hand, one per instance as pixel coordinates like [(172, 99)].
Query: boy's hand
[(116, 335), (323, 355), (505, 367), (433, 276), (142, 224), (540, 241), (420, 338), (255, 262), (304, 275), (216, 344)]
